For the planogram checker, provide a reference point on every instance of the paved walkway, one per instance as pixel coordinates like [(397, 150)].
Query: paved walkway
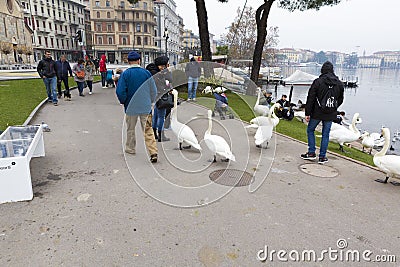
[(89, 210)]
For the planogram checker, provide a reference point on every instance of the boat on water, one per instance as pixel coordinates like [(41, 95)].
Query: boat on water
[(300, 78), (308, 64)]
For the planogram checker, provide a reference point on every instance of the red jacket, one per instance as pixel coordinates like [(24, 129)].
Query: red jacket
[(102, 64)]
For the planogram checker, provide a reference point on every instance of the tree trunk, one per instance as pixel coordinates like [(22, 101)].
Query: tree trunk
[(202, 20), (261, 20)]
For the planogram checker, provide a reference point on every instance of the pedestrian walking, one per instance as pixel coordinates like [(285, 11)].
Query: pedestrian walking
[(193, 72), (159, 70), (79, 71), (103, 70), (96, 64), (137, 92), (324, 97), (63, 69), (48, 72), (89, 72)]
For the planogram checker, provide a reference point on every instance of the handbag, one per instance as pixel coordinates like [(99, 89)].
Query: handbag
[(80, 74), (166, 101)]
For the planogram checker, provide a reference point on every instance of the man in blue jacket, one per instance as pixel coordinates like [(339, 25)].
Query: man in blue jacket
[(137, 91), (63, 68)]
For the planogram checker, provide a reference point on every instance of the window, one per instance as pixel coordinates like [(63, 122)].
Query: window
[(144, 5), (155, 43), (146, 41), (145, 16), (98, 14), (98, 26), (99, 40), (44, 24), (58, 44), (122, 4), (65, 16), (139, 40), (54, 13), (123, 15), (48, 12), (46, 42), (52, 42), (137, 15), (97, 3), (108, 15), (35, 7), (40, 40), (59, 14), (67, 43), (107, 3), (145, 28), (66, 29), (124, 41), (138, 27), (37, 23), (50, 25), (62, 43), (109, 27), (42, 9), (110, 40), (123, 27), (155, 32)]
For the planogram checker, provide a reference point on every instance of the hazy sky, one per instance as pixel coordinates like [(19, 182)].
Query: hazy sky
[(351, 26)]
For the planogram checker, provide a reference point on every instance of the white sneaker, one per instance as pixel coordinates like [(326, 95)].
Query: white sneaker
[(189, 99), (194, 99), (104, 87), (90, 93)]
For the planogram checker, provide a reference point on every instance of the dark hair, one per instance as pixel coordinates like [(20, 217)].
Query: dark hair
[(284, 96), (47, 51), (80, 61)]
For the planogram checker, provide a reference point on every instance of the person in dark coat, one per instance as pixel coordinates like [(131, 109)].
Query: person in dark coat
[(63, 69), (48, 72), (315, 113), (159, 70), (193, 72)]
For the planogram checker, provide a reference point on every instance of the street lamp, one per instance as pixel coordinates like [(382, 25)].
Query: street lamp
[(166, 36)]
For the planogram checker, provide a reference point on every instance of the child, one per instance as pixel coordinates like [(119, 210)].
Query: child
[(115, 78), (109, 78)]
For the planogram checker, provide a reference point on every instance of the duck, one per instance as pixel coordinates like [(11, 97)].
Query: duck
[(264, 121), (390, 164), (216, 143), (262, 110), (183, 132), (340, 134)]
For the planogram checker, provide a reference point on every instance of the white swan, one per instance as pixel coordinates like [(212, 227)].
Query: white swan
[(183, 132), (379, 140), (300, 115), (390, 164), (343, 135), (367, 141), (263, 135), (220, 89), (262, 110), (207, 90), (216, 143), (264, 121)]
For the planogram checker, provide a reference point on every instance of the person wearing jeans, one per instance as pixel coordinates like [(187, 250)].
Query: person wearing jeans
[(47, 70), (193, 72), (315, 112), (80, 81), (63, 69)]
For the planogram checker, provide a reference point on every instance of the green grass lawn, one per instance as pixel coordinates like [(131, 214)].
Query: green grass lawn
[(243, 107), (19, 98)]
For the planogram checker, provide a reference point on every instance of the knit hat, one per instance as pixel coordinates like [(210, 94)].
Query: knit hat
[(133, 56), (327, 67), (163, 60)]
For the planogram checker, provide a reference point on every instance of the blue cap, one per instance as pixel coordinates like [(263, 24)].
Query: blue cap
[(133, 56)]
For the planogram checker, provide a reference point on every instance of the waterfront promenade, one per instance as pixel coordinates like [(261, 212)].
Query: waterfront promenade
[(88, 209)]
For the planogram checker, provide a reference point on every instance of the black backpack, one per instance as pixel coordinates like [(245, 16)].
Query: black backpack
[(329, 102)]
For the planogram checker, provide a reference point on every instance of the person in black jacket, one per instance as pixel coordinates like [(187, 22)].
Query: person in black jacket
[(159, 70), (63, 68), (315, 113), (48, 72)]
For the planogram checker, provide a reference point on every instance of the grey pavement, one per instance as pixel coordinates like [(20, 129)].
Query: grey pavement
[(95, 206)]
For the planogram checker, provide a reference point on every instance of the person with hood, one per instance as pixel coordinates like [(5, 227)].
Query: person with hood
[(63, 69), (159, 70), (47, 70), (137, 91), (103, 70), (79, 70), (324, 97), (89, 72), (193, 72)]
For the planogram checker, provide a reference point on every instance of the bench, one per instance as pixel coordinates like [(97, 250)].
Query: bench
[(18, 144)]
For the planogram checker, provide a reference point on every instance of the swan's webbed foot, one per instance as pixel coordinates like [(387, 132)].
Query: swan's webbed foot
[(342, 150), (382, 181), (225, 160), (395, 183)]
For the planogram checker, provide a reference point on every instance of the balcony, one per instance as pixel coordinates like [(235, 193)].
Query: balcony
[(61, 33)]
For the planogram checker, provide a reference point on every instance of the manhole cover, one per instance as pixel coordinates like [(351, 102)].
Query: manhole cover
[(231, 177), (319, 170)]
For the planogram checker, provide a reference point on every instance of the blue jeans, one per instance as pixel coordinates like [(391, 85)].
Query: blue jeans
[(192, 87), (51, 88), (326, 128), (80, 87), (159, 118), (103, 78)]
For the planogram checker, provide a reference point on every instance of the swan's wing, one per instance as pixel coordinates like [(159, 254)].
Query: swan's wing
[(263, 134), (187, 134), (388, 163)]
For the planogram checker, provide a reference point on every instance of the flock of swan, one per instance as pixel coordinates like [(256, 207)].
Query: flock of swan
[(265, 123)]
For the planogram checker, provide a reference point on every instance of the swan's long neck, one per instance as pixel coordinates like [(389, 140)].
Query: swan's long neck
[(209, 125), (272, 112), (353, 125), (386, 135), (175, 109)]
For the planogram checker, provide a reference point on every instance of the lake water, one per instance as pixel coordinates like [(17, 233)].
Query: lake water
[(377, 97)]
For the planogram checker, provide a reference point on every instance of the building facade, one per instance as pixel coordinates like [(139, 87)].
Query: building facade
[(119, 27), (15, 36), (369, 62), (191, 44), (389, 59), (54, 24), (168, 29)]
